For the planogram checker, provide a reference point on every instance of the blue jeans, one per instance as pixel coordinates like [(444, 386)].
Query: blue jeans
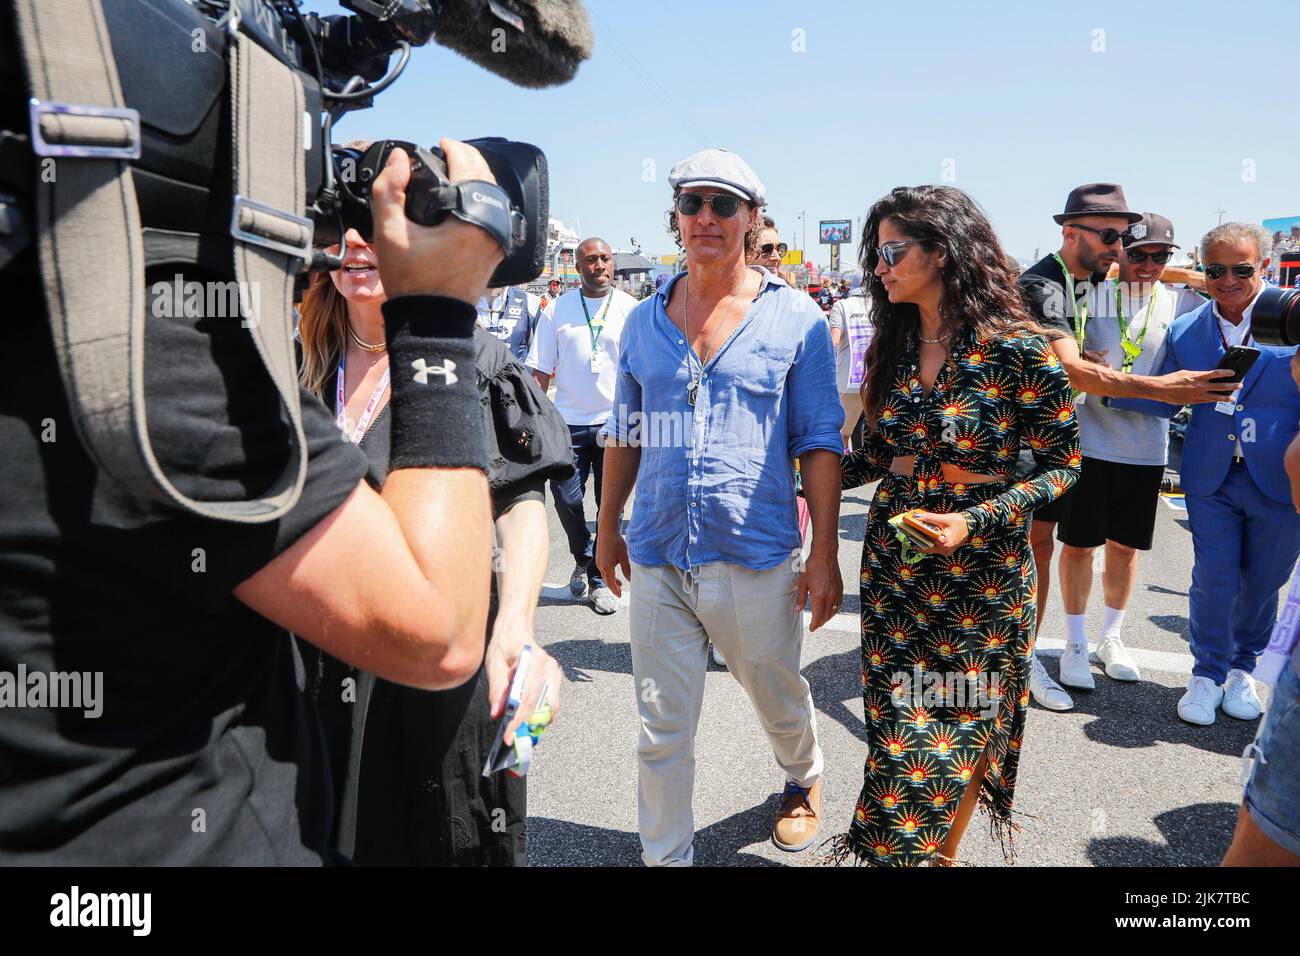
[(588, 459), (1245, 545), (1273, 792)]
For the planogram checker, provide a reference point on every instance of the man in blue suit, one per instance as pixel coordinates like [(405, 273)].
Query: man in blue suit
[(1245, 530)]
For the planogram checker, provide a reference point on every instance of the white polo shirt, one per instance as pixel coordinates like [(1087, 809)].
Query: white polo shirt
[(562, 343)]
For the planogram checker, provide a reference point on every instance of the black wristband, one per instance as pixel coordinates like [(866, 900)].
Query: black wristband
[(436, 411)]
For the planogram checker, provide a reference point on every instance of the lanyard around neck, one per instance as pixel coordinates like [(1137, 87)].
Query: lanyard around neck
[(1223, 340), (595, 328), (340, 406), (1080, 314), (1133, 349)]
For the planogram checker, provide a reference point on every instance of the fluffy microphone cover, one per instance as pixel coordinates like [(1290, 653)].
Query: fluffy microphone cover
[(556, 38)]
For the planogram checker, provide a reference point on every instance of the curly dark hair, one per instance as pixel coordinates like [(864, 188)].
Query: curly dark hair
[(979, 288), (751, 237)]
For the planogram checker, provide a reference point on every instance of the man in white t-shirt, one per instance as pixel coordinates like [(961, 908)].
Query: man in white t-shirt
[(850, 321), (578, 340)]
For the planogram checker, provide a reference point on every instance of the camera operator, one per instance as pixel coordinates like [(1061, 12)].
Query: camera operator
[(200, 745)]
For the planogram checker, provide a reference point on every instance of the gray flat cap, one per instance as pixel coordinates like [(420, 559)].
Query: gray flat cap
[(722, 170)]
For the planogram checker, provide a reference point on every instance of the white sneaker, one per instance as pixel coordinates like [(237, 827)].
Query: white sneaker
[(1239, 697), (717, 656), (1201, 702), (1119, 663), (1075, 671), (1046, 691)]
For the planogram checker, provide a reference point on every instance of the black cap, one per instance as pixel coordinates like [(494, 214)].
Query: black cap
[(1097, 199), (1152, 229)]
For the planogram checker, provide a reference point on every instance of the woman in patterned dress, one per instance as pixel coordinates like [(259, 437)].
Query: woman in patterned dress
[(957, 375)]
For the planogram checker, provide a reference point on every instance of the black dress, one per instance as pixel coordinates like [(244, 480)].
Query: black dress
[(407, 763)]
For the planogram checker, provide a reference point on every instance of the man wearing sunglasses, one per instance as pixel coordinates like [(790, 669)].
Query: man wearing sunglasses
[(734, 371), (1113, 504), (1245, 531), (1056, 288)]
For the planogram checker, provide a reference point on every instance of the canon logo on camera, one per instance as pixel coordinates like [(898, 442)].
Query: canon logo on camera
[(490, 200)]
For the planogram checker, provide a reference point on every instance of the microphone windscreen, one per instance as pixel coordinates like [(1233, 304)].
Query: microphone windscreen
[(555, 39)]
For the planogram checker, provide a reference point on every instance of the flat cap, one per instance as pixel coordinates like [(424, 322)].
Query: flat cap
[(722, 170)]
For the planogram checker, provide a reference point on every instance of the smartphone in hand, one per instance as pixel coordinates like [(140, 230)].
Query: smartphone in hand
[(1237, 360)]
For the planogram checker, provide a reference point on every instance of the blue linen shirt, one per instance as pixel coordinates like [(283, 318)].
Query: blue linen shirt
[(716, 481)]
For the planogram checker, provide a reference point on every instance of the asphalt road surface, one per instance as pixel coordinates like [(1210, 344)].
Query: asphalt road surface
[(1118, 781)]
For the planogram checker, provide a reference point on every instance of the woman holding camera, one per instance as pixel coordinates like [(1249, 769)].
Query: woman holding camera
[(407, 763), (956, 375)]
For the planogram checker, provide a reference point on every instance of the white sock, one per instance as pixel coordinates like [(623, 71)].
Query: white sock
[(1111, 623), (1074, 633)]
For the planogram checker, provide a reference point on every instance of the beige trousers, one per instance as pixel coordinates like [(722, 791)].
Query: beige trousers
[(750, 616)]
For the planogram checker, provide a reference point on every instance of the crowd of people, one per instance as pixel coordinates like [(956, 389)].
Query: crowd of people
[(1009, 408), (995, 411)]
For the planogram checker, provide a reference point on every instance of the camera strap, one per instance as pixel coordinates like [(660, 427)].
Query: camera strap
[(92, 252)]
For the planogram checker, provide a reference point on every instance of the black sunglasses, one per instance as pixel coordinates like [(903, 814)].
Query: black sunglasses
[(893, 252), (767, 247), (724, 205), (1108, 236), (1242, 270), (1159, 258)]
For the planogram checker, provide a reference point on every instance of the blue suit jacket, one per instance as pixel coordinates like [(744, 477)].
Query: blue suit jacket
[(1266, 415)]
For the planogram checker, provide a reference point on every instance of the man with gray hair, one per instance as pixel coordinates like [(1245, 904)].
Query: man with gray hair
[(744, 365), (1245, 530)]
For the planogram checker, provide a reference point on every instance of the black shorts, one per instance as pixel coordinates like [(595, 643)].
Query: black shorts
[(1112, 502), (1057, 511)]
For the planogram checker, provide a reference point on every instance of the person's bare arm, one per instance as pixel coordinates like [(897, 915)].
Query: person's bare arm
[(395, 585), (523, 547), (1177, 388), (620, 467), (837, 336), (820, 470), (398, 585), (1291, 460), (542, 378)]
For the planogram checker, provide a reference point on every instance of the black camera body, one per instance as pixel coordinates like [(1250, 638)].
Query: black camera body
[(171, 58), (1275, 320), (518, 168)]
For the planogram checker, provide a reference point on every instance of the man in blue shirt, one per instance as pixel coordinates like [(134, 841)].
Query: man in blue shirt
[(726, 375), (1245, 530)]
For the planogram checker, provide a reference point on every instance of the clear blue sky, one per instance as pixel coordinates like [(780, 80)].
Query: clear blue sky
[(1008, 98)]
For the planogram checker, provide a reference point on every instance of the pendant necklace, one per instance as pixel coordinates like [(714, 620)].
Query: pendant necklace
[(693, 386)]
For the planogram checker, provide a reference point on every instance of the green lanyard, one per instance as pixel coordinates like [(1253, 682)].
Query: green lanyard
[(595, 328), (1133, 349), (1080, 315)]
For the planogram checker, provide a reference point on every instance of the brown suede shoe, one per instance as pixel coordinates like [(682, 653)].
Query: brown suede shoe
[(798, 819)]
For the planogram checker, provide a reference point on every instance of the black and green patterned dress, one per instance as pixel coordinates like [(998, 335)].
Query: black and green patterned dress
[(929, 627)]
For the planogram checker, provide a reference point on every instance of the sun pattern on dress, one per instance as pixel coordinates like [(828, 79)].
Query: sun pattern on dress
[(946, 642)]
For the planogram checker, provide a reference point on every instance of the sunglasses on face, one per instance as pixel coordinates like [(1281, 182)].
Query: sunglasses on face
[(767, 247), (1107, 236), (1242, 270), (724, 205), (1159, 258), (893, 252)]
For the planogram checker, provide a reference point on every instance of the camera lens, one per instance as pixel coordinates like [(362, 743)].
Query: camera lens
[(1276, 317)]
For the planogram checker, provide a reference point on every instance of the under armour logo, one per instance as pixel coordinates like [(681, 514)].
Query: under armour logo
[(424, 370)]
